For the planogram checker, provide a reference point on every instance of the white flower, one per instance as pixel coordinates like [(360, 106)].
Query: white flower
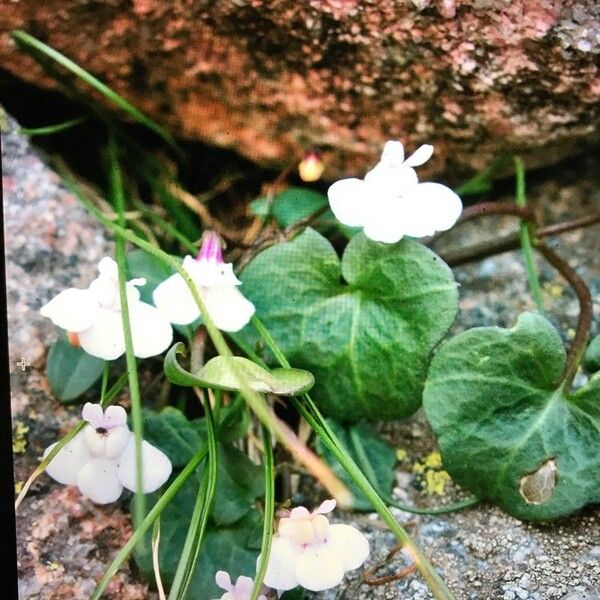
[(100, 459), (94, 314), (310, 552), (240, 591), (390, 203), (216, 284)]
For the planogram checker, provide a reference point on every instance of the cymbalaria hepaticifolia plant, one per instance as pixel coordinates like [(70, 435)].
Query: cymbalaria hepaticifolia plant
[(308, 303)]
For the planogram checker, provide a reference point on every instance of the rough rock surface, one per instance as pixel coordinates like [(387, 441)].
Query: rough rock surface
[(271, 79), (65, 542)]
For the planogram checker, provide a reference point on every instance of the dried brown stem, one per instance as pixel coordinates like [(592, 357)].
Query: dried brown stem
[(584, 321), (512, 241)]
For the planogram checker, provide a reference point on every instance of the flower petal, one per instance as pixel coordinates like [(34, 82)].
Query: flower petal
[(73, 309), (156, 467), (71, 458), (319, 568), (150, 329), (385, 182), (348, 201), (114, 416), (243, 587), (99, 481), (229, 309), (174, 300), (385, 223), (104, 338), (280, 574), (420, 156), (325, 507), (223, 580), (95, 442), (393, 153), (93, 414), (430, 207), (116, 441), (349, 544)]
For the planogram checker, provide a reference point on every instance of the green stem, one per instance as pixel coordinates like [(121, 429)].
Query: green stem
[(329, 439), (525, 236), (51, 129), (105, 374), (200, 514), (139, 502), (168, 228), (33, 43), (267, 536), (154, 513)]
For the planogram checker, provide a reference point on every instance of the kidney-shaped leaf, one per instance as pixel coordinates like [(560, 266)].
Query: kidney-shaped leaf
[(505, 430), (365, 326), (218, 373)]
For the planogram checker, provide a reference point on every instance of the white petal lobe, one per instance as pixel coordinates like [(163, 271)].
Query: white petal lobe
[(319, 568), (69, 461), (104, 338), (281, 569), (349, 544), (150, 329), (99, 481), (229, 309), (156, 467), (347, 199), (175, 301), (73, 309), (420, 156)]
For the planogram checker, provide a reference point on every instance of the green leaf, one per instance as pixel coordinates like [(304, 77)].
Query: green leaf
[(240, 482), (233, 423), (292, 205), (171, 431), (505, 430), (364, 327), (375, 457), (71, 371), (591, 360), (216, 373), (228, 548)]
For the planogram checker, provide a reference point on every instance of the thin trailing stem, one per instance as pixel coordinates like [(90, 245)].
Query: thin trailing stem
[(512, 241), (584, 321), (525, 235), (313, 416), (139, 501), (269, 515), (107, 399), (485, 209)]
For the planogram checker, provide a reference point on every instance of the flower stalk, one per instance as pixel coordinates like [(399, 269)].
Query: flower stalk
[(116, 185), (313, 416)]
